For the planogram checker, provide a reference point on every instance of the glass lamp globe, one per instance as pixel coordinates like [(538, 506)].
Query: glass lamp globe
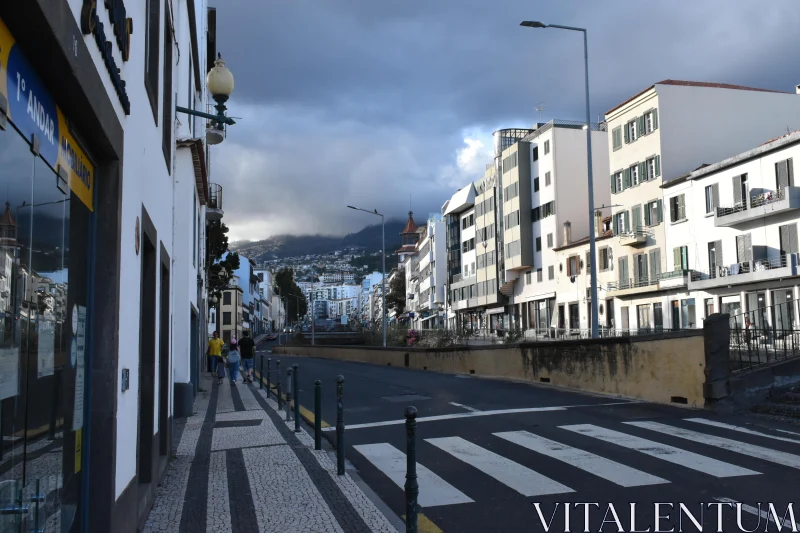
[(219, 79)]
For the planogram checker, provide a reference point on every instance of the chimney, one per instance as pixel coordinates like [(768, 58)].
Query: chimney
[(567, 233), (797, 89), (598, 222)]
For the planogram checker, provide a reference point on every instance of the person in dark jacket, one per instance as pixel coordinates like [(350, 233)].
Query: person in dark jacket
[(247, 347)]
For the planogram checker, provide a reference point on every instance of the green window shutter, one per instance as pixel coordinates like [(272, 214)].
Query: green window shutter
[(655, 119), (640, 127), (626, 178), (660, 213), (642, 172), (658, 165), (647, 213), (613, 185), (637, 217), (627, 134), (676, 258), (627, 221)]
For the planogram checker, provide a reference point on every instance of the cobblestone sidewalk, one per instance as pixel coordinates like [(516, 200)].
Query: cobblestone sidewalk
[(240, 468)]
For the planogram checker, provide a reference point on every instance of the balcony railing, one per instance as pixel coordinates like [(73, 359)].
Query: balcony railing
[(767, 197), (745, 267), (214, 204)]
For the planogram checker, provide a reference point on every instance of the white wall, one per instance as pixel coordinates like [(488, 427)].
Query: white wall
[(147, 180), (467, 259)]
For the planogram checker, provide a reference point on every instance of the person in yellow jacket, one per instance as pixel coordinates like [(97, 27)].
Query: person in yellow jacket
[(214, 351)]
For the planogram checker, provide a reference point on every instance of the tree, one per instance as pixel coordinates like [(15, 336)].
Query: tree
[(291, 292), (396, 298), (217, 247)]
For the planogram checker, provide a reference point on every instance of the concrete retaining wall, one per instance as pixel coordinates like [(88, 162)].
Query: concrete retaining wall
[(667, 368)]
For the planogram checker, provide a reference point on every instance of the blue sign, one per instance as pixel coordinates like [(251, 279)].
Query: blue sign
[(31, 105)]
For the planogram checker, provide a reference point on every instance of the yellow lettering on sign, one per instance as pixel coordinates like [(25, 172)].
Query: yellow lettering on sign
[(78, 449)]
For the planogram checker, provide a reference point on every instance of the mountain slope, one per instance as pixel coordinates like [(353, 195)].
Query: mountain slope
[(282, 246)]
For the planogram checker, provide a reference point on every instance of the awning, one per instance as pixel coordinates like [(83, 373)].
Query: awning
[(496, 310)]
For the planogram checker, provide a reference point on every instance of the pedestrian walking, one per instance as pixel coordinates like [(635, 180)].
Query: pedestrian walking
[(214, 351), (233, 362), (247, 348)]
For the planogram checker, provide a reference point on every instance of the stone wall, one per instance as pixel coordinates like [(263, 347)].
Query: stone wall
[(666, 368)]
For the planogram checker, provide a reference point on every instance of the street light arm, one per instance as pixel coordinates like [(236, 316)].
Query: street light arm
[(571, 28)]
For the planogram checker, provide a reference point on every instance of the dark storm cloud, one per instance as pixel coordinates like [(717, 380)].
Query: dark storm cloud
[(370, 101)]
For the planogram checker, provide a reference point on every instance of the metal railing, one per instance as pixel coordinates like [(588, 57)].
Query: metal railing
[(767, 197), (745, 267), (214, 196), (738, 207), (638, 231), (763, 336), (579, 333)]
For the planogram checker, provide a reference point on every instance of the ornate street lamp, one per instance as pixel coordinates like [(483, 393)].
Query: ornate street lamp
[(219, 82)]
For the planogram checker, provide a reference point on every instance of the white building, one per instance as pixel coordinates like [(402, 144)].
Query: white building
[(547, 207), (664, 132), (432, 277), (733, 224)]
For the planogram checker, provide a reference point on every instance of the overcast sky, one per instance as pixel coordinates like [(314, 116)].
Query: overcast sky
[(385, 104)]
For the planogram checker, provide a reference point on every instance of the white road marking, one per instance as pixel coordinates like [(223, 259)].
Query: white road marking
[(789, 432), (594, 464), (476, 413), (433, 490), (671, 454), (753, 510), (467, 407), (740, 429), (759, 452), (520, 478)]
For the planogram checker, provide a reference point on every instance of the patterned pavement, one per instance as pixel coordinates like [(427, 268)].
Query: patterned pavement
[(240, 468)]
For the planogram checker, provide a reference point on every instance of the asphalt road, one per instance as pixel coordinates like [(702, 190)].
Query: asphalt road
[(481, 472)]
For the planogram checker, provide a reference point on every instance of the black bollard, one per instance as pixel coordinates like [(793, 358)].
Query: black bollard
[(296, 389), (318, 415), (261, 373), (278, 384), (339, 426), (412, 488), (269, 362), (288, 394)]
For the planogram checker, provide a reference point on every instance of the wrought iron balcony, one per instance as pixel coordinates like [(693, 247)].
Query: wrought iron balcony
[(762, 204), (214, 204)]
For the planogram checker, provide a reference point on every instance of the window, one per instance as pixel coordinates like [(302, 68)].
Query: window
[(226, 318), (616, 138), (548, 209), (622, 223), (680, 258), (573, 265), (643, 315), (151, 54), (549, 240), (634, 170), (510, 162), (539, 275), (677, 208), (535, 153), (168, 121), (712, 198), (535, 184), (784, 174), (624, 281), (658, 316), (630, 132), (604, 258), (551, 272), (709, 306), (651, 121), (653, 213), (547, 179), (226, 298), (546, 147), (640, 270), (528, 277), (538, 244), (616, 182), (653, 167), (655, 264)]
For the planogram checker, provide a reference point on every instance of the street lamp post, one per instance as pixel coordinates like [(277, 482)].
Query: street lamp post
[(592, 248), (383, 260)]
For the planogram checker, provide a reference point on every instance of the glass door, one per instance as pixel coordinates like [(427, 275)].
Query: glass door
[(42, 342)]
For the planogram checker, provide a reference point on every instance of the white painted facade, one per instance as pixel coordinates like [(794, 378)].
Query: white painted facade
[(676, 127), (559, 176), (742, 244)]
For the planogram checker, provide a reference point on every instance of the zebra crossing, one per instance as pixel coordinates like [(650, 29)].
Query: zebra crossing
[(435, 490)]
